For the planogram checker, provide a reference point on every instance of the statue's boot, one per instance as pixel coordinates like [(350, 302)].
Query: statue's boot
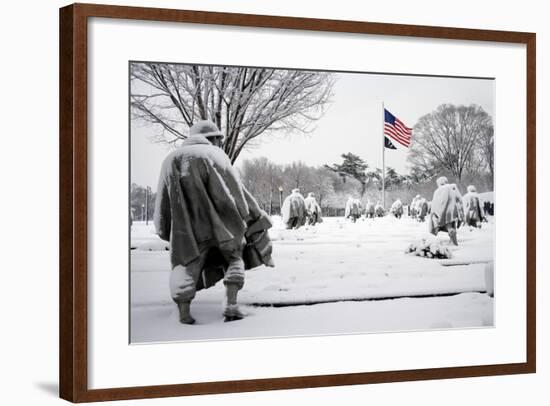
[(185, 313), (232, 311)]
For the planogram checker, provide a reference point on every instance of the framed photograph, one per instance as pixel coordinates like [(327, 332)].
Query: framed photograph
[(254, 202)]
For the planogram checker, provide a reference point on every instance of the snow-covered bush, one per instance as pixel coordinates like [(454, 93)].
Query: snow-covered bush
[(429, 249)]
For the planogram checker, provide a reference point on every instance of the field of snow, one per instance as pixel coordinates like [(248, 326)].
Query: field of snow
[(335, 278)]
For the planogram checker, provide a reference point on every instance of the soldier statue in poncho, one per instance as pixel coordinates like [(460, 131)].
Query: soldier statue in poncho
[(397, 209), (215, 227), (313, 210), (379, 210), (369, 210), (294, 210), (447, 213), (472, 208), (353, 209)]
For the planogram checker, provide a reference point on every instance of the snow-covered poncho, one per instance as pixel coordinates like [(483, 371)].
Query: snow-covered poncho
[(294, 207), (414, 206), (397, 208), (353, 208), (472, 208), (379, 210), (422, 208), (201, 202), (312, 207), (446, 208), (369, 209)]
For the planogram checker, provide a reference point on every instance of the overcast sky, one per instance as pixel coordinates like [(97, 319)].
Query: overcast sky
[(352, 123)]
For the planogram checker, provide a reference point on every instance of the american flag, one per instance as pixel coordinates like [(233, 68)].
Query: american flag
[(396, 129)]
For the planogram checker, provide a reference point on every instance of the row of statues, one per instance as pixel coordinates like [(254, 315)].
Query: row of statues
[(446, 206), (448, 209), (354, 209), (446, 212), (297, 211)]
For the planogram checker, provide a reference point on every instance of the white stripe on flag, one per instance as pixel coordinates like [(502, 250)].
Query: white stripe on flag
[(390, 131), (402, 128), (402, 131), (404, 143)]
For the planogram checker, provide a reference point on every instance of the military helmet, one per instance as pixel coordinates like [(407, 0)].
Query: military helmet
[(442, 181), (206, 128)]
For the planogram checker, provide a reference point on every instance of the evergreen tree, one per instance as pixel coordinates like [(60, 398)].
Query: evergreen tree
[(352, 166)]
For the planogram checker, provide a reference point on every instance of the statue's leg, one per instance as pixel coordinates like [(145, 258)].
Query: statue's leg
[(183, 282), (232, 311), (291, 223), (233, 281), (452, 234), (432, 226)]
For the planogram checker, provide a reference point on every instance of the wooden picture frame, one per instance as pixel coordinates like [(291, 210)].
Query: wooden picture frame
[(73, 201)]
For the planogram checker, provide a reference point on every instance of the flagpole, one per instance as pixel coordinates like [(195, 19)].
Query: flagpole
[(383, 159)]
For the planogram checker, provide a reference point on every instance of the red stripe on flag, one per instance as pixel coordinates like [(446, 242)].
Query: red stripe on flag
[(399, 128), (402, 128), (397, 138), (389, 128), (396, 135), (402, 124)]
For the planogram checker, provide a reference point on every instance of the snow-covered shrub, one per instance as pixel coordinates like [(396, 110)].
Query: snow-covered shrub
[(429, 249)]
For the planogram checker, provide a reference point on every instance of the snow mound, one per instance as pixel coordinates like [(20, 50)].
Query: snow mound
[(429, 249)]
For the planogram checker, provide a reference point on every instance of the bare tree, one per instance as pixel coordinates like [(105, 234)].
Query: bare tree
[(243, 102), (486, 144), (323, 183), (297, 175), (447, 139), (262, 178)]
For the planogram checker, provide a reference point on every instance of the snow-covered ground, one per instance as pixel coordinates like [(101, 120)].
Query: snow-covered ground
[(324, 282)]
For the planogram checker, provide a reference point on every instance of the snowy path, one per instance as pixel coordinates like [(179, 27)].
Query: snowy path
[(468, 310), (334, 261)]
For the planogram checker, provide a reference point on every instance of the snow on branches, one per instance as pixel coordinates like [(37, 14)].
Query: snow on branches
[(242, 102)]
